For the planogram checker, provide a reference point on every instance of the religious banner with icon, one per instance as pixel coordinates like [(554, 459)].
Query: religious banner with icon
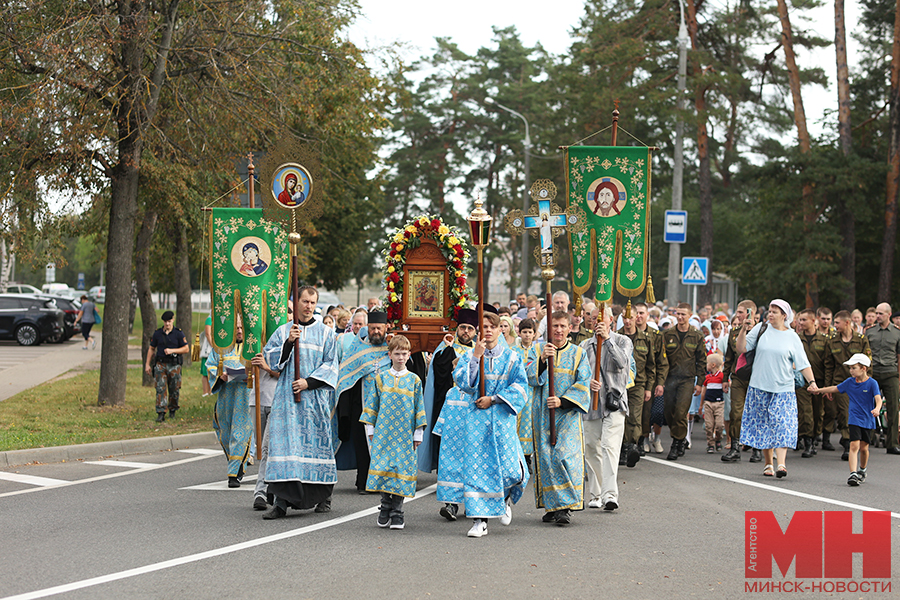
[(612, 186), (248, 276)]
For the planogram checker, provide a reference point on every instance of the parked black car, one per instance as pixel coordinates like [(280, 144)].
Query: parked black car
[(29, 319), (70, 307)]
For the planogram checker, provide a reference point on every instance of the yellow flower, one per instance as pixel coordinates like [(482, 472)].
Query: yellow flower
[(462, 302), (399, 247), (423, 221), (390, 269), (459, 274), (443, 230), (398, 237), (390, 285), (453, 240), (394, 297), (411, 228)]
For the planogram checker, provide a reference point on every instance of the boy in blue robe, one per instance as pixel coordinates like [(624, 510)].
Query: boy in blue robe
[(394, 418), (524, 347), (559, 472), (481, 461)]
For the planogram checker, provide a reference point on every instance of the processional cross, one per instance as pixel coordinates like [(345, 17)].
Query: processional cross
[(547, 221)]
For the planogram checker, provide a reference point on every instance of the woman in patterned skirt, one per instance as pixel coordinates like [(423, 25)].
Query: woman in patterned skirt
[(770, 410)]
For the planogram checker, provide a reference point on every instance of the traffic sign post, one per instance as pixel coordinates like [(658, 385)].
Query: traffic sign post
[(676, 227), (695, 272)]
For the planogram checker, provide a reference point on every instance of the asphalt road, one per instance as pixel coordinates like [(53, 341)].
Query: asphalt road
[(171, 529)]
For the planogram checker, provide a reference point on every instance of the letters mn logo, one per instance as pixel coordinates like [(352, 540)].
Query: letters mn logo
[(821, 544)]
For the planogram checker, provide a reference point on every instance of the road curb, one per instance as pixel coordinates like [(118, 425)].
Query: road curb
[(57, 454)]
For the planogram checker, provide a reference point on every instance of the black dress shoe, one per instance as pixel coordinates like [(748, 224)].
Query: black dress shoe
[(564, 517), (893, 450), (160, 417), (276, 512), (550, 517), (259, 503), (233, 482), (324, 506), (633, 457)]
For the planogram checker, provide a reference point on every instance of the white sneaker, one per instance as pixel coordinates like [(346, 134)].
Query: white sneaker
[(595, 503), (646, 446), (479, 529), (689, 443), (657, 446), (506, 519)]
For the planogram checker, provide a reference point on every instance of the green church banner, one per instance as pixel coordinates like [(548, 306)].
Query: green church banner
[(248, 277), (612, 186)]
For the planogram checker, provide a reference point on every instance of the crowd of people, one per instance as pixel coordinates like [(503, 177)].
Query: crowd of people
[(528, 393)]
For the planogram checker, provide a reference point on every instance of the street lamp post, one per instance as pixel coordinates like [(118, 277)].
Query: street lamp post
[(527, 144), (678, 174)]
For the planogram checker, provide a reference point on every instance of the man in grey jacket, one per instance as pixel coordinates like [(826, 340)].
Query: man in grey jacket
[(605, 427)]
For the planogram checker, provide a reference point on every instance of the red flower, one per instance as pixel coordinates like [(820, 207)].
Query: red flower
[(393, 253), (457, 263), (459, 251), (435, 223), (460, 281), (406, 234), (394, 277)]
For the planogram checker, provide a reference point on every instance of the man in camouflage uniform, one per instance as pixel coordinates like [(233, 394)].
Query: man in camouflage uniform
[(738, 382), (164, 362), (661, 368), (810, 407), (639, 395), (686, 351)]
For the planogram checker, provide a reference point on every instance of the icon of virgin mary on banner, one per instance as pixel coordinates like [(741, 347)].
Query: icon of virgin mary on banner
[(612, 185), (248, 276)]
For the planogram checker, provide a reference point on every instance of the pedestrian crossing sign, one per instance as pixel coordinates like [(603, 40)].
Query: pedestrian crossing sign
[(694, 270)]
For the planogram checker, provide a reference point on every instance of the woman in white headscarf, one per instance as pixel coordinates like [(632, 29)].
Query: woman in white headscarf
[(769, 421)]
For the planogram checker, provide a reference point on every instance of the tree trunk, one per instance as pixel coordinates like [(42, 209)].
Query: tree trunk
[(845, 214), (705, 293), (885, 278), (119, 251), (142, 278), (808, 202), (182, 273)]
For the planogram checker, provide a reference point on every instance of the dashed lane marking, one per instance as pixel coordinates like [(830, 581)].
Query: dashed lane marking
[(30, 479)]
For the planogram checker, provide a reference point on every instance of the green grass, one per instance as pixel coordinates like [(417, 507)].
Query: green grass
[(65, 412)]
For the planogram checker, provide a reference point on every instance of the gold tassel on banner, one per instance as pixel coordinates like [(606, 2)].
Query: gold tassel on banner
[(578, 303), (195, 350), (249, 369), (651, 297), (627, 314)]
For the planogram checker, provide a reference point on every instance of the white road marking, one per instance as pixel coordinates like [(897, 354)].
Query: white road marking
[(205, 451), (102, 477), (223, 485), (177, 562), (119, 463), (30, 479), (763, 486)]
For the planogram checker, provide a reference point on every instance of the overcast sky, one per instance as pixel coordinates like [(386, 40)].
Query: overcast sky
[(468, 23)]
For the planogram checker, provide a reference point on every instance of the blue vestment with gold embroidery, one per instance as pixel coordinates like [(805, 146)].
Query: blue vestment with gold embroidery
[(481, 460), (394, 405), (559, 470), (231, 418)]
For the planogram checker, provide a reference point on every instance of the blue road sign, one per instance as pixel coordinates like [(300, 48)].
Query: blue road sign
[(694, 270), (676, 227)]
